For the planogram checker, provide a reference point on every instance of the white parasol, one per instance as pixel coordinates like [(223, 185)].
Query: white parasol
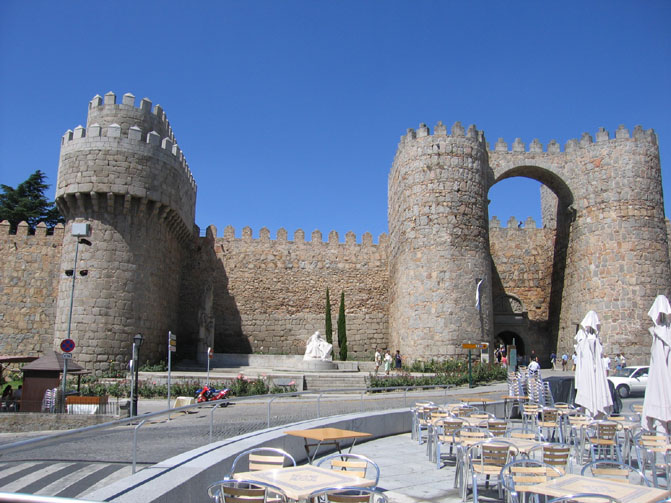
[(657, 404), (591, 383)]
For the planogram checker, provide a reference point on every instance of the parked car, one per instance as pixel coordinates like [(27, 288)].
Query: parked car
[(630, 380)]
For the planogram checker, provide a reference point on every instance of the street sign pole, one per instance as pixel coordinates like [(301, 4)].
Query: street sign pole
[(209, 355), (169, 365), (132, 390), (470, 373), (65, 377)]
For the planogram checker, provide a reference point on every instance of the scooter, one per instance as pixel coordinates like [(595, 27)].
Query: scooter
[(209, 394)]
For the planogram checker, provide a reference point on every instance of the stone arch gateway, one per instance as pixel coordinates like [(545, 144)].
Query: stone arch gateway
[(610, 219)]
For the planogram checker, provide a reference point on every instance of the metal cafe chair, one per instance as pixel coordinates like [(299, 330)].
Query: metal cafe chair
[(356, 464), (487, 459), (465, 433), (244, 491), (519, 477), (615, 470), (348, 495), (602, 439), (261, 458), (653, 454)]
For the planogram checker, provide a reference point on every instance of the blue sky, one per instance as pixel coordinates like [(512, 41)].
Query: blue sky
[(289, 112)]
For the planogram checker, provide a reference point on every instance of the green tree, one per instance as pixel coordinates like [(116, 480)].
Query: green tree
[(328, 323), (27, 203), (342, 328)]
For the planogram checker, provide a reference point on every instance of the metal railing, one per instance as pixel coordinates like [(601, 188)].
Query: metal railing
[(172, 431)]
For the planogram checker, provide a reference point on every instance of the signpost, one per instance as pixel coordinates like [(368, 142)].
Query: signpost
[(67, 345), (210, 354), (471, 346), (172, 347)]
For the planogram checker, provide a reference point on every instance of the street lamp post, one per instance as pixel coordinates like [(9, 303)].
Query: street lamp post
[(137, 342), (79, 231)]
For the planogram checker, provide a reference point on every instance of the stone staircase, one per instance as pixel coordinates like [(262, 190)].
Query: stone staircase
[(320, 381)]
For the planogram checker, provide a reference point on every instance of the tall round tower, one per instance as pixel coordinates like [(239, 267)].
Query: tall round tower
[(617, 257), (439, 242), (125, 176)]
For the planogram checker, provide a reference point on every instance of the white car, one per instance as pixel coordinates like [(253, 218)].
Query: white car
[(630, 380)]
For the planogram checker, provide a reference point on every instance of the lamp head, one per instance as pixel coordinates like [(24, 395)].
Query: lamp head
[(138, 340)]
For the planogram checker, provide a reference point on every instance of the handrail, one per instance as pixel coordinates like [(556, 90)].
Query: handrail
[(138, 421)]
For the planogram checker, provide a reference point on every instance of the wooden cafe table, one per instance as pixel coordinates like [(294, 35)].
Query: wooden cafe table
[(326, 436), (623, 491), (298, 482)]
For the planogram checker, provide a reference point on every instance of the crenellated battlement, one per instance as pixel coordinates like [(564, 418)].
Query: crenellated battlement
[(97, 136), (440, 130), (512, 223), (108, 106), (41, 231), (553, 147), (316, 237)]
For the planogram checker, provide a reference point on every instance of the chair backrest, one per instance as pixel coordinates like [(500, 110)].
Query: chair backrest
[(605, 430), (549, 415), (261, 458), (585, 496), (447, 427), (464, 411), (556, 455), (497, 427), (242, 491), (356, 464), (348, 495), (470, 432), (491, 453), (615, 470), (520, 476)]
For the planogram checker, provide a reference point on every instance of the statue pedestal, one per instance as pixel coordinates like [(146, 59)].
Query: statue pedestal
[(318, 365)]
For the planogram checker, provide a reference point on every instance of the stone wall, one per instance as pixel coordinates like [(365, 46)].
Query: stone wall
[(29, 281), (274, 291)]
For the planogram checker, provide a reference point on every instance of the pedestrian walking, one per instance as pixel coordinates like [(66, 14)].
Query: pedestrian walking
[(397, 359), (378, 360), (564, 362), (387, 362)]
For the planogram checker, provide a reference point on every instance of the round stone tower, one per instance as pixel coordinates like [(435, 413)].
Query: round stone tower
[(125, 176), (617, 257), (439, 242)]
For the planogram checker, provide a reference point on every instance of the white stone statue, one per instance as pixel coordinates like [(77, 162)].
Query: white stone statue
[(317, 348)]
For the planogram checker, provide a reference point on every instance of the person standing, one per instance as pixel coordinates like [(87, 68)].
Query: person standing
[(606, 363), (575, 360), (534, 368), (398, 360), (378, 360), (553, 360), (564, 362), (387, 362)]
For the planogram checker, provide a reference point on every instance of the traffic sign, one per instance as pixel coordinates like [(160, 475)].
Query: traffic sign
[(479, 345), (67, 345), (210, 353), (172, 342), (67, 356)]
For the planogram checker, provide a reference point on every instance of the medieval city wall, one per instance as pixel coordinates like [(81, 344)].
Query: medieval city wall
[(276, 290), (28, 288)]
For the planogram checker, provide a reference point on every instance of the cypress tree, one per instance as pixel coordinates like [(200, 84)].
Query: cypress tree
[(328, 323), (342, 329)]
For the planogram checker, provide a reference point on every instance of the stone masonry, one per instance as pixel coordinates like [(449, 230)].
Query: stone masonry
[(602, 245)]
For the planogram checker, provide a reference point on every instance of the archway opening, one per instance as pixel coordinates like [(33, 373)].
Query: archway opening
[(512, 339), (528, 244)]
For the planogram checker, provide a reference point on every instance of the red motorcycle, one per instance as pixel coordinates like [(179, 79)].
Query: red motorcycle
[(209, 394)]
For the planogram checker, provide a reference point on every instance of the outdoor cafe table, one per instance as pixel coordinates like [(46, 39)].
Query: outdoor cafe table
[(573, 484), (326, 436), (298, 482), (475, 399)]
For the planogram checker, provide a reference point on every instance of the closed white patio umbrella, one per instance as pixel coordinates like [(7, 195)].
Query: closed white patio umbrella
[(657, 404), (592, 392)]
